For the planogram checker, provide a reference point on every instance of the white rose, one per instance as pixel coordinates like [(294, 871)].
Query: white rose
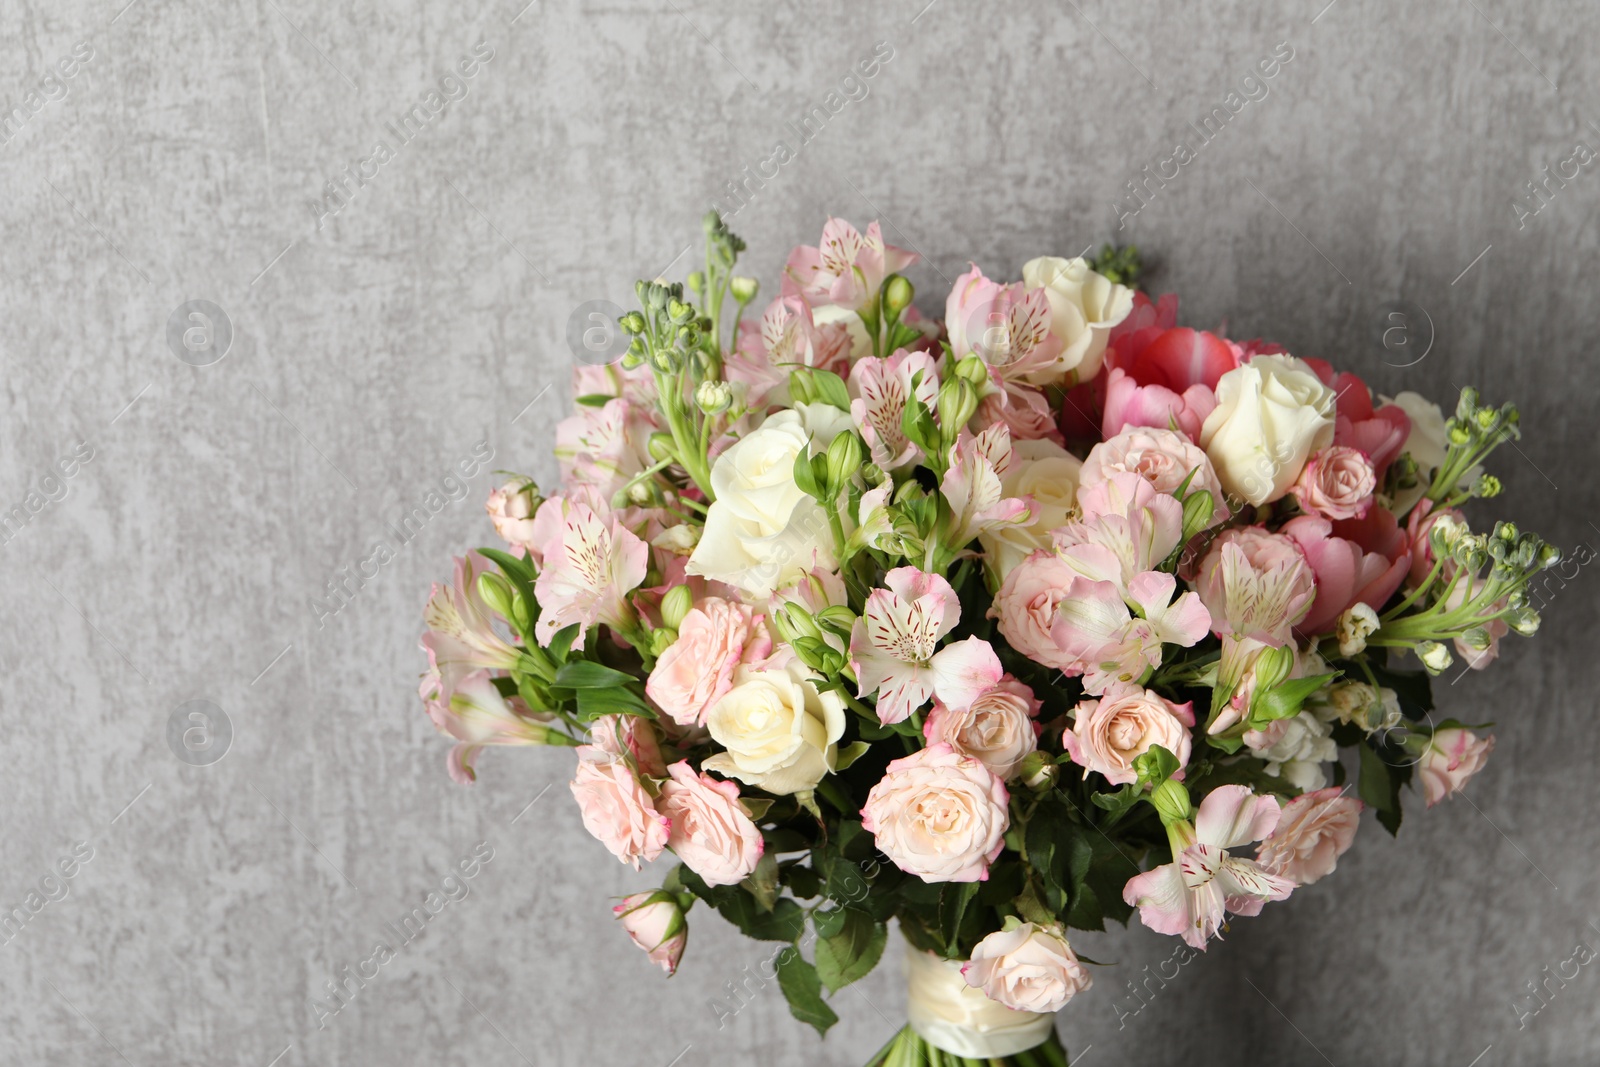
[(763, 532), (1271, 414), (1427, 442), (1048, 473), (780, 733), (1295, 748), (1084, 307)]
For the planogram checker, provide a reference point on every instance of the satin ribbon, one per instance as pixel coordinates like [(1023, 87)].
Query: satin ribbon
[(957, 1018)]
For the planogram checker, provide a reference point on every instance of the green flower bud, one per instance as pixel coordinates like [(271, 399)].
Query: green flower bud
[(662, 447), (712, 222), (1038, 772), (662, 639), (957, 402), (844, 457), (498, 594), (679, 312), (743, 289), (1434, 656), (655, 296), (1486, 486), (697, 281), (675, 605), (713, 397), (632, 323), (1171, 799), (972, 370), (897, 294), (1525, 622)]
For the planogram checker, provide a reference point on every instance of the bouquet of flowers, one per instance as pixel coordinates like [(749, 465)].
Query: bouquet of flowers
[(1000, 626)]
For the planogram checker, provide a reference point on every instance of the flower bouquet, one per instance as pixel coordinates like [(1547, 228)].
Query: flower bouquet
[(1000, 626)]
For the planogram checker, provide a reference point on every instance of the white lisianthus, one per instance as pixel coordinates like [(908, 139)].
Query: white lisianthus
[(1084, 308), (763, 531), (1048, 473), (1271, 414), (780, 732)]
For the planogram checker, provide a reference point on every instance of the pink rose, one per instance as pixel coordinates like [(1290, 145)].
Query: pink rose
[(511, 508), (615, 807), (997, 728), (1027, 968), (711, 832), (939, 815), (1452, 757), (1356, 561), (1313, 831), (697, 669), (656, 924), (1108, 734), (1256, 584), (631, 736), (1161, 457), (1337, 483), (1026, 607), (1380, 433)]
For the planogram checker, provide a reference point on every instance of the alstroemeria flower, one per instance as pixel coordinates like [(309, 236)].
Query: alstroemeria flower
[(1128, 527), (1007, 326), (847, 267), (605, 446), (1108, 643), (883, 387), (894, 648), (475, 715), (461, 637), (1191, 895), (972, 486), (590, 566)]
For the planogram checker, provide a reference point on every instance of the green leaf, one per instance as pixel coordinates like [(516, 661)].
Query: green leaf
[(561, 643), (593, 703), (953, 901), (594, 400), (803, 989), (583, 674), (1379, 784), (1286, 698), (850, 753), (763, 882), (848, 954)]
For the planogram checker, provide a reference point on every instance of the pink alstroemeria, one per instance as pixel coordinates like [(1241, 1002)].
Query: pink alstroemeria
[(475, 715), (792, 338), (589, 568), (1128, 527), (1191, 895), (972, 486), (883, 387), (847, 267), (1112, 638), (892, 648), (604, 446), (1007, 326), (461, 637)]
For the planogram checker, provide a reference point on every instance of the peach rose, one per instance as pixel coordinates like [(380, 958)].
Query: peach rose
[(1108, 734), (1337, 483), (997, 728), (1026, 607), (1313, 831), (1027, 968), (615, 807), (654, 921), (711, 832), (630, 735), (939, 815), (511, 508), (1452, 757), (695, 671), (1161, 457)]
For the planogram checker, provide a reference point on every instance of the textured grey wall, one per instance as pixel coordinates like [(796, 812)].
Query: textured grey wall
[(377, 339)]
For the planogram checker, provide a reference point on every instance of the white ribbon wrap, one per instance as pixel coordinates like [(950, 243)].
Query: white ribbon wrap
[(957, 1018)]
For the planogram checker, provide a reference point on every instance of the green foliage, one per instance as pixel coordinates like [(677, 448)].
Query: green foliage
[(849, 949), (802, 988)]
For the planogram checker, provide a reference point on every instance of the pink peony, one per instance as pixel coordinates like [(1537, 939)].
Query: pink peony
[(1337, 483), (1313, 831), (939, 815), (655, 922), (615, 807), (697, 669), (1256, 584), (996, 728), (1126, 722), (711, 832), (1027, 968), (1164, 377), (1355, 561), (1453, 756), (1379, 433)]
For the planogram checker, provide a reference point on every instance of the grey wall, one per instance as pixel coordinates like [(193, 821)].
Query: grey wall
[(372, 352)]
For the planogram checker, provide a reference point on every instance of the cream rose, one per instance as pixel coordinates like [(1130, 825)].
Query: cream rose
[(1084, 308), (996, 729), (1027, 968), (1127, 720), (780, 733), (762, 532), (1047, 473), (939, 815), (1271, 414)]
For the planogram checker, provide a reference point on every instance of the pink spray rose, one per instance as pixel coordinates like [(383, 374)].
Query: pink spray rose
[(1355, 561), (1026, 606), (711, 832), (615, 807), (1108, 734), (633, 737), (1161, 457), (1027, 968), (1452, 757), (1337, 483), (1313, 831), (697, 669), (511, 508), (656, 924), (939, 815), (996, 728), (1256, 584)]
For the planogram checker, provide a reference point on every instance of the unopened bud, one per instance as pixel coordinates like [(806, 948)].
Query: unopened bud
[(1172, 801), (662, 639), (675, 605), (697, 281), (897, 294), (713, 397), (1434, 656), (497, 593), (1038, 771), (1358, 621), (844, 457), (743, 289)]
